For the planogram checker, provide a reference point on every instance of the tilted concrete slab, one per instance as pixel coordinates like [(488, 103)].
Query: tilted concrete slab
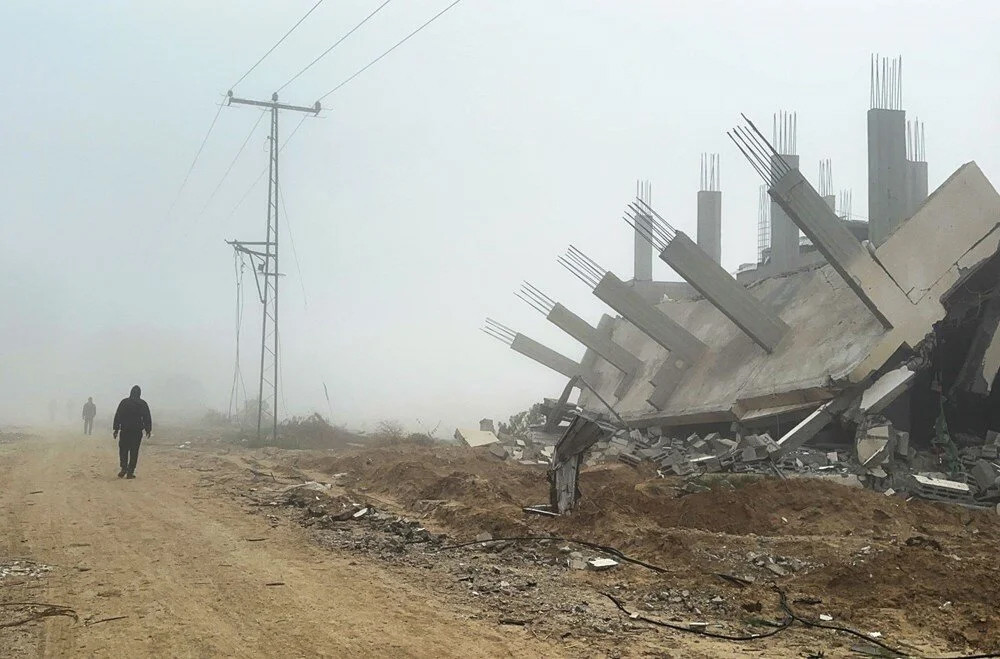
[(960, 213)]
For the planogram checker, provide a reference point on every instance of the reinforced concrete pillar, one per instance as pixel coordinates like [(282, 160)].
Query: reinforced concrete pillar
[(886, 173), (916, 187), (784, 232), (684, 348), (589, 336), (800, 201), (643, 264), (651, 321), (764, 327), (710, 223), (831, 201), (546, 356)]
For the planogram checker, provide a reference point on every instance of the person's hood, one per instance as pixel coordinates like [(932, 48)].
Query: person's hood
[(135, 393)]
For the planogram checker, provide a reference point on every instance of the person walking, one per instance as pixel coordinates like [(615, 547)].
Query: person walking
[(131, 419), (89, 412)]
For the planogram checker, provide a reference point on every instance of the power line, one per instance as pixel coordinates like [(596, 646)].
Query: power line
[(295, 255), (398, 44), (235, 158), (264, 171), (193, 162), (338, 42), (257, 63)]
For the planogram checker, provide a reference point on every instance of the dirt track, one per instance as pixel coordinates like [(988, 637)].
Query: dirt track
[(177, 561)]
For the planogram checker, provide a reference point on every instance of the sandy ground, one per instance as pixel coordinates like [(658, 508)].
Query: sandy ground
[(176, 560), (204, 556)]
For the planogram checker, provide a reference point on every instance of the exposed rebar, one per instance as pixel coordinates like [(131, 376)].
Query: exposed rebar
[(536, 299), (582, 266), (499, 331), (759, 152), (886, 87)]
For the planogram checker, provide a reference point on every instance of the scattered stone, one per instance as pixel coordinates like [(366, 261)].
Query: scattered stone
[(602, 563)]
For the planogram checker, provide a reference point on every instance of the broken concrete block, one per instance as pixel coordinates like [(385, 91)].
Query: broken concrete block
[(902, 443), (629, 458), (484, 537), (993, 437), (873, 445), (499, 450), (602, 563), (984, 474), (885, 390)]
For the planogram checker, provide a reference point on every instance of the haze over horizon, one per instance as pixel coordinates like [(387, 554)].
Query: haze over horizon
[(427, 190)]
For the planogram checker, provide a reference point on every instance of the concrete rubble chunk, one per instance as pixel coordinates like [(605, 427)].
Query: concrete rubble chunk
[(885, 390), (602, 563), (874, 445), (499, 450), (984, 474), (473, 437)]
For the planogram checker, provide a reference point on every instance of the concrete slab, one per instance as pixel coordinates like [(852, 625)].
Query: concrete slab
[(885, 390), (473, 437)]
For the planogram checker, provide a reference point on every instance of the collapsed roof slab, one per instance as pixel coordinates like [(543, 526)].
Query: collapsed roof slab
[(834, 342)]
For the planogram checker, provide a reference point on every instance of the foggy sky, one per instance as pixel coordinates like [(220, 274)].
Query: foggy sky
[(427, 190)]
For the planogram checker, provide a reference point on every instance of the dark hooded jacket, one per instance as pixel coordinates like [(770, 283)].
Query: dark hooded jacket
[(133, 414)]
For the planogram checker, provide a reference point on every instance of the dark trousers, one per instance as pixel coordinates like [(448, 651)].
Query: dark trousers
[(128, 449), (88, 426)]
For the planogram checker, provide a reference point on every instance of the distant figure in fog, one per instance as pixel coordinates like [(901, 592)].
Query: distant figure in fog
[(89, 412), (131, 419)]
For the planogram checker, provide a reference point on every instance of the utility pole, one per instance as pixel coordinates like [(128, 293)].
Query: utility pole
[(264, 256)]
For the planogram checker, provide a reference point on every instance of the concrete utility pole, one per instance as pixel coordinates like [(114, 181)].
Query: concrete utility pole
[(264, 255)]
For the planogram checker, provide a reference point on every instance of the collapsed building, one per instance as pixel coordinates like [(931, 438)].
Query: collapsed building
[(876, 339)]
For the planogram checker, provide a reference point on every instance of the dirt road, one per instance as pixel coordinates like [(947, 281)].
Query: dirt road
[(182, 566)]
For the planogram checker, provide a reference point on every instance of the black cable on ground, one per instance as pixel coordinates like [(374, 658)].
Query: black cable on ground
[(791, 616), (853, 632), (781, 626), (47, 611)]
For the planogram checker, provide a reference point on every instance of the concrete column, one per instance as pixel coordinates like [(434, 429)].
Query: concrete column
[(710, 223), (546, 356), (886, 173), (651, 321), (831, 201), (725, 293), (643, 269), (834, 240), (589, 336), (916, 187), (784, 233)]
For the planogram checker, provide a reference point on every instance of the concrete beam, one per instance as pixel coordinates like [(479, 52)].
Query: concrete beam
[(834, 240), (710, 223), (651, 321), (784, 233), (725, 293), (591, 337), (546, 356)]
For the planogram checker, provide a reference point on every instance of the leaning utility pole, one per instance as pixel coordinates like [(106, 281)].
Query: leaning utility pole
[(264, 255)]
